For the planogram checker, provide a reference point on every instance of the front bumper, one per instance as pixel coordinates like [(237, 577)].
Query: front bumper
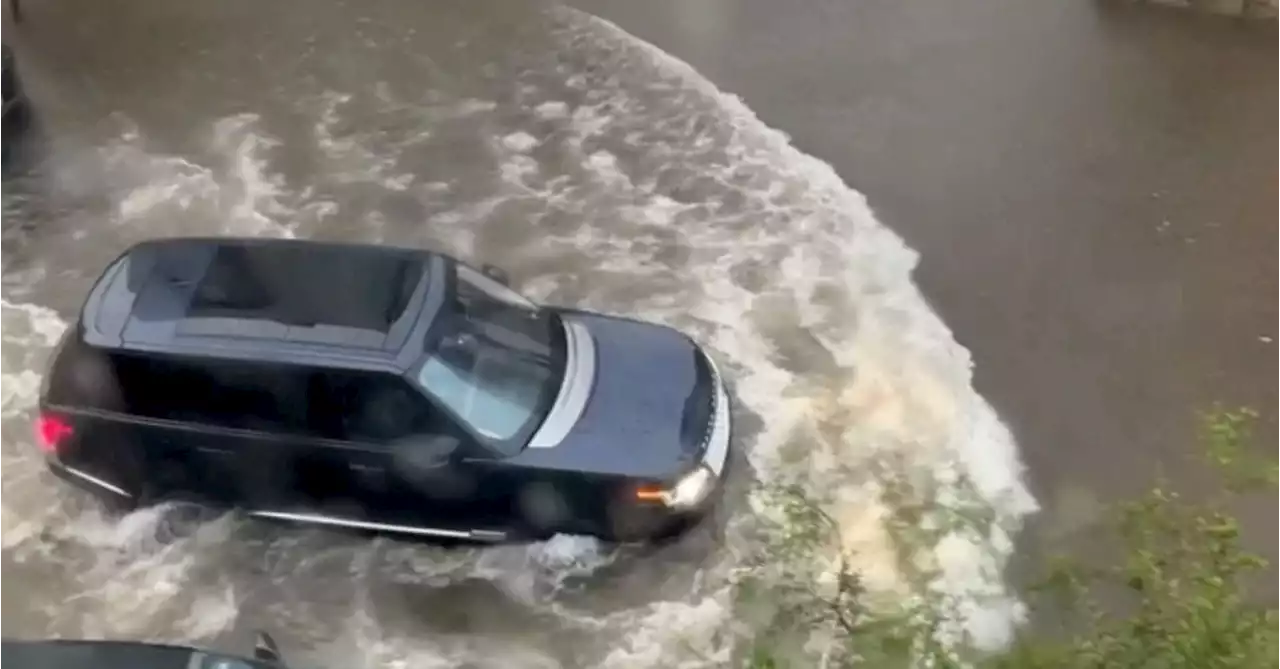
[(653, 520), (716, 454)]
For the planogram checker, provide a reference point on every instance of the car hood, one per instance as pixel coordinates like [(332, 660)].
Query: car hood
[(635, 401)]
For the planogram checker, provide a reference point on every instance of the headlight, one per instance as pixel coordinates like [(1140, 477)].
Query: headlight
[(691, 490)]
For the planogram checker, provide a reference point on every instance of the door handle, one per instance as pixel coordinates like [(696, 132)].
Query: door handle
[(370, 476)]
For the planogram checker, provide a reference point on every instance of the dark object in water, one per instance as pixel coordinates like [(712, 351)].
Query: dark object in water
[(16, 113)]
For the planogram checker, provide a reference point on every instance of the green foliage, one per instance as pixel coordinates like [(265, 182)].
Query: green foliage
[(1178, 597), (1227, 435), (807, 589), (1173, 594)]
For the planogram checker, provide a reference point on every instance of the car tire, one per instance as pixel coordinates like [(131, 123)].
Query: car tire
[(182, 519), (542, 511)]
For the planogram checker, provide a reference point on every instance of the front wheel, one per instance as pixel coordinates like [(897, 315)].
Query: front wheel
[(182, 518)]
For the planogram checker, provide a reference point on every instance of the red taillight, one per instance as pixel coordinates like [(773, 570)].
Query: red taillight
[(51, 431)]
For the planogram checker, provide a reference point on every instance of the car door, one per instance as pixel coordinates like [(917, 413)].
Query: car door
[(265, 414), (185, 453), (401, 466), (215, 431)]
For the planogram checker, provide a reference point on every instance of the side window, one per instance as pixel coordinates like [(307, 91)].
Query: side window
[(220, 393), (378, 408)]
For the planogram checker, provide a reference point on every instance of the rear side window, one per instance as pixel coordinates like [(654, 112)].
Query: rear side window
[(372, 407), (218, 393)]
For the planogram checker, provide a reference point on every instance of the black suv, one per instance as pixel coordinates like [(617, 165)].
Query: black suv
[(378, 388)]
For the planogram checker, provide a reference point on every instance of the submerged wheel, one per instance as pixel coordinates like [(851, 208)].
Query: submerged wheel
[(542, 510), (183, 518)]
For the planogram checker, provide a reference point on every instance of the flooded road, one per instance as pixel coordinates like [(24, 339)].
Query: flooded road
[(1091, 190), (1092, 187), (598, 171)]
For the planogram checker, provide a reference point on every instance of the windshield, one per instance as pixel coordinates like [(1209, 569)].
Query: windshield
[(495, 362)]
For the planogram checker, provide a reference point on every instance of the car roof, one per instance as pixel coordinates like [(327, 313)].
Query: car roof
[(78, 654), (311, 302)]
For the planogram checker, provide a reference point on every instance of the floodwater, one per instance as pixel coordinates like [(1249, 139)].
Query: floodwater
[(598, 170), (1092, 187)]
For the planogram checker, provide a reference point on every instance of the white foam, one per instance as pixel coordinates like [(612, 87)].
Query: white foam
[(674, 635), (552, 110), (901, 388), (519, 141), (237, 194)]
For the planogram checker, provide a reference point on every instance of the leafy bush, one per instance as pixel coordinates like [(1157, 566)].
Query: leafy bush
[(1175, 593)]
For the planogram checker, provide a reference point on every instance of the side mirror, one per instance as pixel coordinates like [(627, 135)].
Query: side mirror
[(265, 648), (497, 274)]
